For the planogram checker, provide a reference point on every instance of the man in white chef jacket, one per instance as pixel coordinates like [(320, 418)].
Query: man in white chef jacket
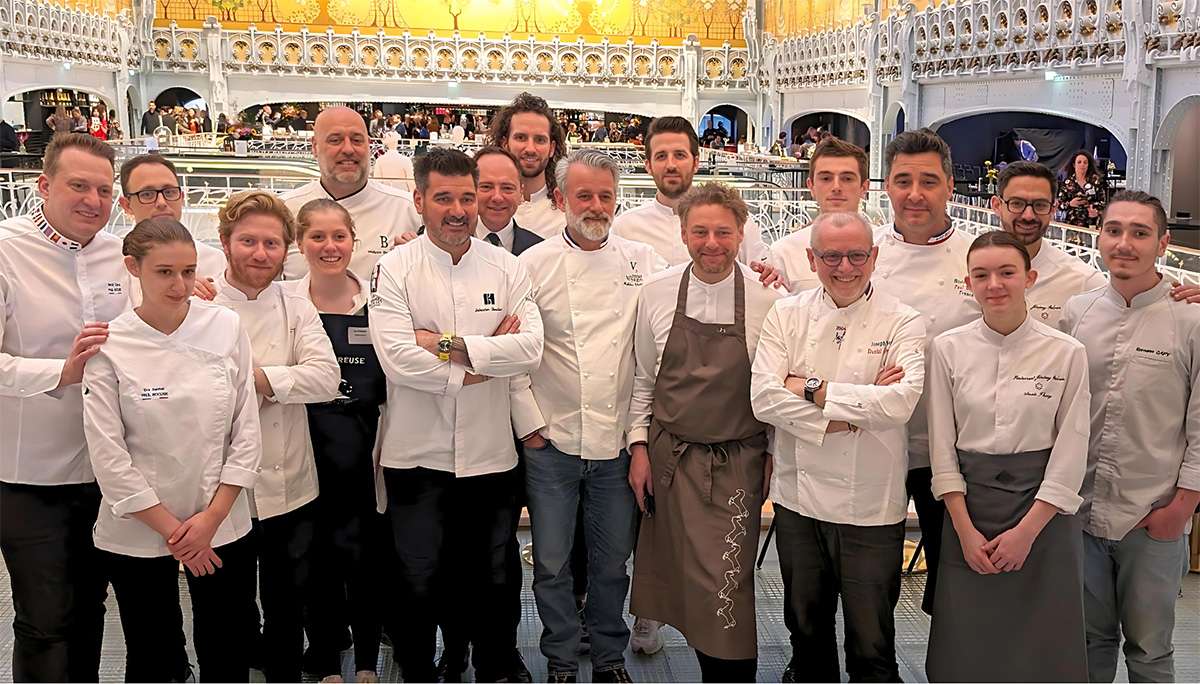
[(838, 180), (452, 318), (923, 262), (150, 188), (672, 158), (573, 419), (838, 372), (527, 128), (1143, 477), (381, 212), (61, 280), (294, 365)]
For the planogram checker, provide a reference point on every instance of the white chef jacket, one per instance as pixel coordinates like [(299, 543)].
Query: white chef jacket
[(291, 347), (1144, 366), (434, 421), (1060, 276), (506, 234), (396, 170), (380, 212), (931, 279), (581, 391), (49, 287), (847, 478), (300, 288), (1006, 394), (168, 419), (789, 254), (706, 304), (539, 215), (657, 225)]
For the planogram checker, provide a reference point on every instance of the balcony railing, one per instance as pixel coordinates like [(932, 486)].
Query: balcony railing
[(39, 30)]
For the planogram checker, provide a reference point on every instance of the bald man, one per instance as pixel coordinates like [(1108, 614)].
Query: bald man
[(381, 212)]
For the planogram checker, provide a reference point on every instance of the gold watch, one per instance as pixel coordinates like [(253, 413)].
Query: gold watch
[(444, 346)]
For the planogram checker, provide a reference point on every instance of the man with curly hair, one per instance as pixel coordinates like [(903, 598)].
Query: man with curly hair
[(527, 128)]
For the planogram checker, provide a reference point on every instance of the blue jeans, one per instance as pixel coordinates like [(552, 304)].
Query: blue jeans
[(1131, 586), (555, 482)]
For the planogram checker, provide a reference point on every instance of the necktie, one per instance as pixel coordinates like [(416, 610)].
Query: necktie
[(492, 238)]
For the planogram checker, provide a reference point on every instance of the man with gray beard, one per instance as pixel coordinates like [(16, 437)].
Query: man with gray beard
[(572, 416)]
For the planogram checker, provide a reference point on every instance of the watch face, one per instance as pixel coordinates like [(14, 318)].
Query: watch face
[(812, 384), (444, 346)]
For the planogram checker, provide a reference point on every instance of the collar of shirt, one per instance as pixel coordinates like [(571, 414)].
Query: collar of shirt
[(936, 239), (854, 306), (1162, 289), (662, 208), (575, 245), (539, 194), (360, 300), (1008, 340), (357, 192), (56, 238), (505, 234), (233, 294), (441, 256)]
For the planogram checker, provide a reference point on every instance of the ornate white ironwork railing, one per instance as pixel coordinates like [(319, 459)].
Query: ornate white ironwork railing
[(35, 29)]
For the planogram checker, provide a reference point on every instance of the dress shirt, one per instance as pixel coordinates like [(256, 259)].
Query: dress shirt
[(539, 215), (380, 212), (853, 478), (1060, 276), (301, 289), (789, 254), (1144, 366), (168, 419), (657, 225), (49, 287), (1006, 394), (581, 391), (706, 304), (505, 234), (931, 279), (291, 347), (433, 421)]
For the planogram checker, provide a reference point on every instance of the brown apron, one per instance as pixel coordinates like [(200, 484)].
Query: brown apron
[(694, 565)]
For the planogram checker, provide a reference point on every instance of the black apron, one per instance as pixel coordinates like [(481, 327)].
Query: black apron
[(1015, 626)]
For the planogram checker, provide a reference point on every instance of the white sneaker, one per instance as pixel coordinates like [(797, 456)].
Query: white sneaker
[(646, 638)]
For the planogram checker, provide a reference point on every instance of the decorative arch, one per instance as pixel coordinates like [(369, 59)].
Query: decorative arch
[(1111, 126)]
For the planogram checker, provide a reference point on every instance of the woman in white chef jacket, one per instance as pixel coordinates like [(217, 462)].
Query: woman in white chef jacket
[(172, 426), (1008, 424), (351, 535)]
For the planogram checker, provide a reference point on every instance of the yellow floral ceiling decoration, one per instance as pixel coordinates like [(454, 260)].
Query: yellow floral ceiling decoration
[(794, 17), (669, 21)]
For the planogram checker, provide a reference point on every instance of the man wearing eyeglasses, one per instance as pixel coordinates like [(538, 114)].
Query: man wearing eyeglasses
[(150, 189), (838, 372)]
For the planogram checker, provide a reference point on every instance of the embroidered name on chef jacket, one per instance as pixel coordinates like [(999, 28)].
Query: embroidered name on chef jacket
[(1044, 311), (960, 286), (153, 393), (1151, 354), (633, 278), (1040, 386), (879, 347), (115, 289)]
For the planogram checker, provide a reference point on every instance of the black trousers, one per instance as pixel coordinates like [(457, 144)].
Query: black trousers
[(58, 578), (284, 545), (452, 537), (722, 670), (930, 514), (347, 562), (823, 561), (147, 592)]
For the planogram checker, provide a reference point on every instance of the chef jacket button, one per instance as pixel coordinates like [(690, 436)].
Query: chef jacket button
[(275, 424), (260, 469), (587, 406), (571, 281), (278, 467), (803, 472), (587, 375), (933, 319), (610, 405), (614, 343), (886, 275), (611, 375), (941, 281)]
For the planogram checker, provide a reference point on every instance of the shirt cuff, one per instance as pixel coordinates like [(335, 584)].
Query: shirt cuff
[(1060, 497), (281, 383), (838, 407), (239, 477), (144, 499), (480, 355), (526, 418), (638, 434), (454, 383), (36, 376), (947, 482), (1189, 477)]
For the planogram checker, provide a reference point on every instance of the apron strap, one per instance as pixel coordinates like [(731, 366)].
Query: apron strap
[(716, 456), (681, 299)]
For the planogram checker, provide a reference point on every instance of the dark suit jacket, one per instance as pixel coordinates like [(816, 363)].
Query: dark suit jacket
[(8, 138), (523, 239)]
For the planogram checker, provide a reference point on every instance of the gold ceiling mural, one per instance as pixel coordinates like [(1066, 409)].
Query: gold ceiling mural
[(794, 17), (670, 21), (109, 7)]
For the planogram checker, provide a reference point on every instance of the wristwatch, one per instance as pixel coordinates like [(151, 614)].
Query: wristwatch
[(811, 386), (444, 346)]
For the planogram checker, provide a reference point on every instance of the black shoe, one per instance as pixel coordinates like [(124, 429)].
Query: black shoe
[(562, 676), (615, 675), (789, 674), (451, 667), (518, 672)]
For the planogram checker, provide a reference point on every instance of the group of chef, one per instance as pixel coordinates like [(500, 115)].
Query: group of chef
[(339, 415)]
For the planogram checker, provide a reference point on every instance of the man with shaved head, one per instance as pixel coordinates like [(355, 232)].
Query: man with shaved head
[(840, 459), (381, 212)]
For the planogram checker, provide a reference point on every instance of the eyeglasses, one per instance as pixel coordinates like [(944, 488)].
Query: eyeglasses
[(834, 259), (149, 196), (1017, 206)]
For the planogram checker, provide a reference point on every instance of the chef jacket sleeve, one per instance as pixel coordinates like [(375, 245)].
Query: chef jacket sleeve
[(19, 376), (244, 451), (875, 407), (124, 487), (504, 356), (315, 375), (943, 428), (753, 246), (1072, 425), (645, 373), (772, 402), (1189, 470)]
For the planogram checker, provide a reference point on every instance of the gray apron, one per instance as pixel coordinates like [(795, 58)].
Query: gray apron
[(694, 566), (1015, 626)]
